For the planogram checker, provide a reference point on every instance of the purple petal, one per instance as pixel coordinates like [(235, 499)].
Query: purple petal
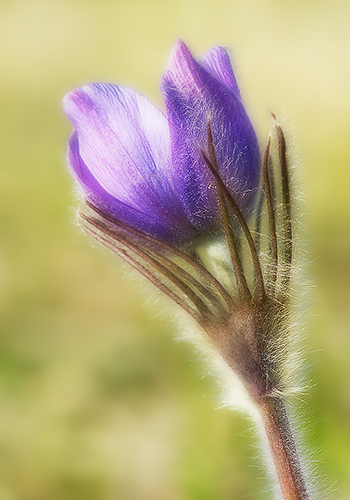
[(120, 154), (217, 63), (123, 139), (193, 97)]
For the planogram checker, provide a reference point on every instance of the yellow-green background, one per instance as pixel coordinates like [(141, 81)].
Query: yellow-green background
[(97, 399)]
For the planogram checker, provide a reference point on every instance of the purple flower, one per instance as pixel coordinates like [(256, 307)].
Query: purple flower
[(145, 168), (154, 182)]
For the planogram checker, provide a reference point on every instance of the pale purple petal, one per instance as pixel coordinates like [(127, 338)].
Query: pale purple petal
[(124, 140)]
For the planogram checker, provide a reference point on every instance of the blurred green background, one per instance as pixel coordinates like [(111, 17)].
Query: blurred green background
[(98, 401)]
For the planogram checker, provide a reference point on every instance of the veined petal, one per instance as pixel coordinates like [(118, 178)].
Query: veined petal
[(193, 97), (123, 138), (217, 63), (120, 153)]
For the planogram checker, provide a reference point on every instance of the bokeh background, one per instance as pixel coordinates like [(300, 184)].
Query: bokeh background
[(98, 400)]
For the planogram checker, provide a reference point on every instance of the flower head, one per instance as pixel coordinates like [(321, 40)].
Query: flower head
[(144, 168)]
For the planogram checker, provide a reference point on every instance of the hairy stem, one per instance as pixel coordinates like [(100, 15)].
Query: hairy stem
[(287, 204), (283, 448), (271, 215)]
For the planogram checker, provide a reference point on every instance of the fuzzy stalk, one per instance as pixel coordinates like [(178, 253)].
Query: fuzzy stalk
[(275, 420)]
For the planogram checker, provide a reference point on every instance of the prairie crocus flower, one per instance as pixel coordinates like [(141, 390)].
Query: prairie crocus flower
[(155, 182)]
